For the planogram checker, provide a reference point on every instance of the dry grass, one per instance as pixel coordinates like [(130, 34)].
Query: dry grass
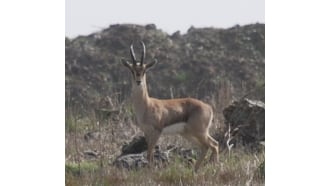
[(105, 132), (239, 169)]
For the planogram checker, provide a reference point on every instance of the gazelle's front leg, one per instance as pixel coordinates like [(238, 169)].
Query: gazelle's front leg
[(152, 138)]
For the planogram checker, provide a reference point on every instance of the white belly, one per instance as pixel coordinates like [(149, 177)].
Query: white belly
[(175, 128)]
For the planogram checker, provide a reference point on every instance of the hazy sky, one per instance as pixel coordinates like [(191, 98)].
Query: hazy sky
[(86, 16)]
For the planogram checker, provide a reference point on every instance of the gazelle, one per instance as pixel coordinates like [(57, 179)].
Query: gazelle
[(188, 117)]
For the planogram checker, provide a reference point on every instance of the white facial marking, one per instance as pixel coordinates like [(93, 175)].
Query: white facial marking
[(174, 128)]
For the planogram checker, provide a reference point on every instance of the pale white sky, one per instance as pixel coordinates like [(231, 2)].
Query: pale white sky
[(86, 16)]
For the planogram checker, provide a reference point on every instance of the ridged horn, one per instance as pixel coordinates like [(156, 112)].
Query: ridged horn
[(143, 55), (132, 54)]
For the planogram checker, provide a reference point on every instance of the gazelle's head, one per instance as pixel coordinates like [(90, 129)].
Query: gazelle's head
[(138, 68)]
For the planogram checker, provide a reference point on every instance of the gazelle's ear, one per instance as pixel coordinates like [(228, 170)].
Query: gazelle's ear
[(149, 65), (126, 64)]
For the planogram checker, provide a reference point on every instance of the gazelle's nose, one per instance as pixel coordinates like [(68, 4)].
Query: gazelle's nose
[(138, 82)]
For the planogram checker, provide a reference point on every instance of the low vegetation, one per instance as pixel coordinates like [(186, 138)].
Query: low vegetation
[(240, 168), (95, 139)]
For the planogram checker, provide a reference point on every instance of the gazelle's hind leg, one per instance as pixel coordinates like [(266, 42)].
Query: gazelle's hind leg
[(199, 129), (201, 157), (206, 142), (214, 145)]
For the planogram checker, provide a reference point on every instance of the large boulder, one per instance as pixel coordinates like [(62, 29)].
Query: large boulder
[(245, 122)]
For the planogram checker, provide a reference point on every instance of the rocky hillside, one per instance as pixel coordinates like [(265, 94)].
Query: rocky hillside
[(197, 64)]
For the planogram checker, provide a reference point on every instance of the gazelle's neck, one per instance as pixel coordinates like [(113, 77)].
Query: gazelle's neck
[(140, 96)]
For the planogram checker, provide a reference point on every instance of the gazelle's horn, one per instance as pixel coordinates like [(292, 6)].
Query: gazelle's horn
[(132, 54), (143, 55)]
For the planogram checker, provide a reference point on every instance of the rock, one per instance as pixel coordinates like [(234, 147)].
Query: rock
[(89, 154), (131, 161), (245, 122), (134, 155), (137, 145), (151, 27), (176, 35), (136, 161), (90, 136)]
